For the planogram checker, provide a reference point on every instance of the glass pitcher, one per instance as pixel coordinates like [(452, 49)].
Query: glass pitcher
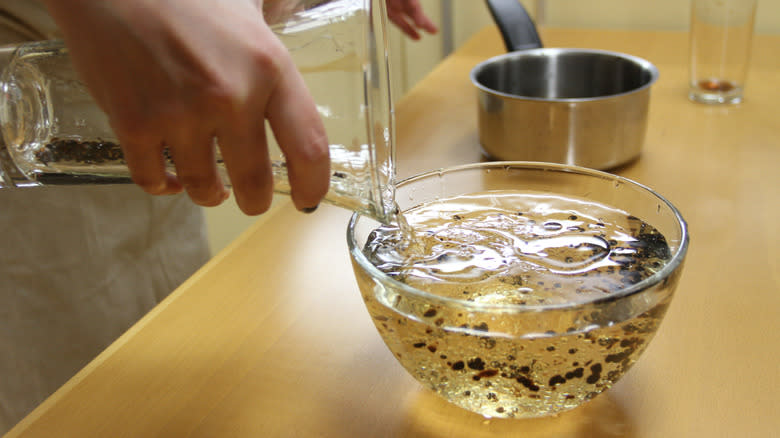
[(54, 133)]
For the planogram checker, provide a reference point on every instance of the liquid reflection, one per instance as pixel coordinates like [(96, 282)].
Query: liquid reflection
[(430, 416)]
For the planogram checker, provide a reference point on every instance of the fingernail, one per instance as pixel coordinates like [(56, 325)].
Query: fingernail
[(309, 210)]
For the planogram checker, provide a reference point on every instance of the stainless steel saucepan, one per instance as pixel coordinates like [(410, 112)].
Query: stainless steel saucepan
[(574, 106)]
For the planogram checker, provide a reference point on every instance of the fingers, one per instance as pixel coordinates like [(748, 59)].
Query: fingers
[(193, 154), (240, 130), (280, 96), (185, 143), (301, 135), (409, 16), (245, 153), (420, 19), (147, 168), (400, 20)]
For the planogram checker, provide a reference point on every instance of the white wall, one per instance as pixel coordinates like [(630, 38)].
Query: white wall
[(642, 14)]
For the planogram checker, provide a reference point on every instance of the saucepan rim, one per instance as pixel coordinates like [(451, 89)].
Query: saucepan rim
[(557, 51)]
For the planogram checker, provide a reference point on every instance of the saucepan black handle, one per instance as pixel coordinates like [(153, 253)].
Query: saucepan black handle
[(516, 26)]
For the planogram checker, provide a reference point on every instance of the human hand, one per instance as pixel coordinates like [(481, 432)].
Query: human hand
[(182, 73), (409, 16)]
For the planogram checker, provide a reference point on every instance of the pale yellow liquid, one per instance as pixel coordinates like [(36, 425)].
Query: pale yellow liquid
[(525, 250)]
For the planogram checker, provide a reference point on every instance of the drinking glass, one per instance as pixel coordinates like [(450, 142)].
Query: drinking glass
[(720, 40)]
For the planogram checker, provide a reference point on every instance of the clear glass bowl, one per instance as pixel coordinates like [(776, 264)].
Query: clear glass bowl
[(511, 358)]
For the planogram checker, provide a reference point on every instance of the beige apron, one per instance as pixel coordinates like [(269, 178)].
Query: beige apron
[(78, 265)]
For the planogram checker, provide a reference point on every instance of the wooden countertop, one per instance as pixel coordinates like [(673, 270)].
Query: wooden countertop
[(271, 337)]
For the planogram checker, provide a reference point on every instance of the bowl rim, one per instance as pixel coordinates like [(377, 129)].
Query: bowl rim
[(648, 283)]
